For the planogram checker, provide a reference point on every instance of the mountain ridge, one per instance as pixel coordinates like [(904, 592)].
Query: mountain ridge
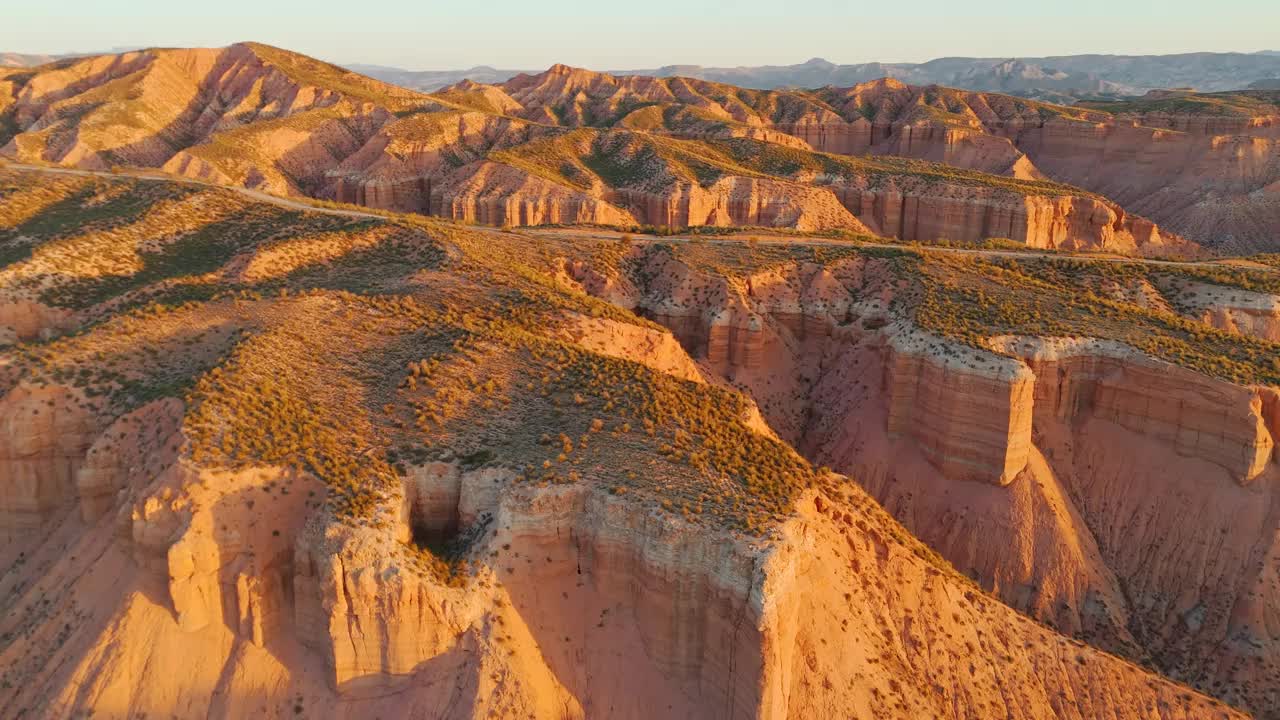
[(1064, 77)]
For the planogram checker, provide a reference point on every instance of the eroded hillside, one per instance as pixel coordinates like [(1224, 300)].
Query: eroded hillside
[(564, 147), (1204, 166), (1092, 441), (258, 460)]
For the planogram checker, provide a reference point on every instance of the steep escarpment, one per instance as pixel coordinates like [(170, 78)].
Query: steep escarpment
[(512, 638), (623, 177), (1217, 422), (938, 211), (970, 416), (1070, 541), (1058, 473), (376, 466), (1208, 175), (47, 431), (1215, 188)]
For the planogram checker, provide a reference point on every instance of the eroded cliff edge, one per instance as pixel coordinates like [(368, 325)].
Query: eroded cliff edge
[(235, 592), (1060, 473), (363, 465)]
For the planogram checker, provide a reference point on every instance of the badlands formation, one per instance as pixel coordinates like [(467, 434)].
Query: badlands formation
[(267, 456), (256, 460), (573, 147)]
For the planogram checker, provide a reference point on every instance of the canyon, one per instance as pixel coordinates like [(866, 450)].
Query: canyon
[(550, 475), (1202, 165), (1053, 471), (587, 395)]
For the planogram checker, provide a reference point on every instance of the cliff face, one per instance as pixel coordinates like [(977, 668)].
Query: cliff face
[(935, 211), (1070, 537), (1215, 421), (1167, 175), (740, 201), (972, 422), (243, 573), (958, 146), (44, 434), (1156, 164), (501, 191), (498, 194), (1057, 473)]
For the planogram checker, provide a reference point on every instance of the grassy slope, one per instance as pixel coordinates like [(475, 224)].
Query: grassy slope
[(310, 366), (1243, 104), (623, 159)]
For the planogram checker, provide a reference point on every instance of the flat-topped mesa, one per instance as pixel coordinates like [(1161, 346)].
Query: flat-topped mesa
[(969, 412), (1199, 416)]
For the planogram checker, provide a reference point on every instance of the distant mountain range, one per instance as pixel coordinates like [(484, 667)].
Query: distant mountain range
[(429, 80), (23, 60), (1061, 78), (11, 59)]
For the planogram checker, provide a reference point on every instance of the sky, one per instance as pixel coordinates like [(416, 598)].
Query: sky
[(533, 34)]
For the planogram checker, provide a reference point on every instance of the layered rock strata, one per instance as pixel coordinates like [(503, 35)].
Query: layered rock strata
[(1197, 416), (1089, 457), (592, 601), (45, 432), (970, 415)]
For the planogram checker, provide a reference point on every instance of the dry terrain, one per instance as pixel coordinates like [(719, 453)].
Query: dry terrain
[(570, 146), (327, 465), (584, 396)]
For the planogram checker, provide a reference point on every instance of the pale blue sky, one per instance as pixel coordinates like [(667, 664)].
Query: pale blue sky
[(429, 34)]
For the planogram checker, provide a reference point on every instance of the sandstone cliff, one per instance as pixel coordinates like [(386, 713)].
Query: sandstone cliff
[(1159, 165), (1048, 470), (241, 575)]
